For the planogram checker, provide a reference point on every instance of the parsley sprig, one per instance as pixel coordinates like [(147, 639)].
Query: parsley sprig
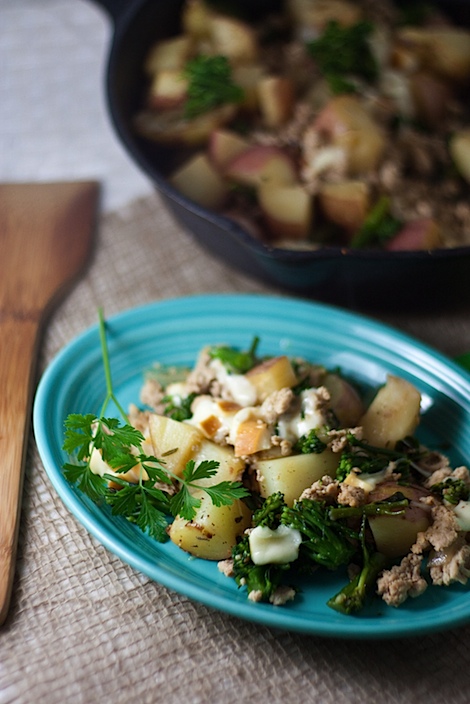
[(157, 494), (234, 360)]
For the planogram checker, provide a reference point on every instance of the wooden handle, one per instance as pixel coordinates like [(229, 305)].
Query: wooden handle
[(18, 339)]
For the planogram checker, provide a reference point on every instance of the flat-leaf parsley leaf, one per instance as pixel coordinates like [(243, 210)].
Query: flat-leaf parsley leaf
[(151, 493)]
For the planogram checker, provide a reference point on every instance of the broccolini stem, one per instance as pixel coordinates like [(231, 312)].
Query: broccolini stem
[(352, 597), (382, 508)]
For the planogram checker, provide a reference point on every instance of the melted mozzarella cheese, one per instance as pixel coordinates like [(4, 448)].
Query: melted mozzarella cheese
[(277, 547), (462, 514), (309, 417), (239, 386), (214, 417), (367, 482)]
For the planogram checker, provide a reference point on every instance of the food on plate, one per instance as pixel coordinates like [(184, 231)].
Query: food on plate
[(278, 468), (308, 124)]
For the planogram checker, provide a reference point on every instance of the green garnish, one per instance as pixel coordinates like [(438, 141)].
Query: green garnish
[(157, 493), (342, 52), (178, 409), (378, 227), (234, 360), (210, 85)]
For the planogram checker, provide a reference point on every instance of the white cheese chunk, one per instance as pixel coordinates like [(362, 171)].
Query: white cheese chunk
[(310, 416), (367, 482), (462, 514), (214, 417), (238, 386), (274, 546)]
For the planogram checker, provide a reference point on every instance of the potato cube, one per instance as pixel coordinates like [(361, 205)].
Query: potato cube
[(273, 375), (200, 181), (230, 468), (393, 414), (213, 531), (293, 474), (173, 442), (169, 54)]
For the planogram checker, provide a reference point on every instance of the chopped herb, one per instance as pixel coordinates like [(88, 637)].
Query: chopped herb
[(235, 361), (178, 409), (341, 52), (378, 227), (210, 85)]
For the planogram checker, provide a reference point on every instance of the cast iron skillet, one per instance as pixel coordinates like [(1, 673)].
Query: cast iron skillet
[(351, 278)]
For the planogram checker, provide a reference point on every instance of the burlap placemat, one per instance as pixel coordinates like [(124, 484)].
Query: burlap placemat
[(84, 627)]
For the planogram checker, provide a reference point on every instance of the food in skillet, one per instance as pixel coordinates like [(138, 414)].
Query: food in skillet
[(277, 469), (340, 123)]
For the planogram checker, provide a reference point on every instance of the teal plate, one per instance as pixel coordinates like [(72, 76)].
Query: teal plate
[(172, 332)]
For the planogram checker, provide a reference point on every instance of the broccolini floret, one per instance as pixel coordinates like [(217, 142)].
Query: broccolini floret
[(452, 490), (178, 410), (309, 443), (352, 597), (370, 459), (326, 542), (262, 579), (378, 227)]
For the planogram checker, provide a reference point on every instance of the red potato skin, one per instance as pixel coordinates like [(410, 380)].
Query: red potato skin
[(416, 235), (248, 166)]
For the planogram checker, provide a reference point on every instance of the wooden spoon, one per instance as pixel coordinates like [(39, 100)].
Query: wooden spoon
[(46, 234)]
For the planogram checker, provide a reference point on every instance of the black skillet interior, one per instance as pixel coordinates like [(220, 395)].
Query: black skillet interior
[(357, 279)]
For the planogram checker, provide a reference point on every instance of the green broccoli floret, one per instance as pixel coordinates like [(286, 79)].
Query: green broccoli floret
[(234, 360), (370, 459), (325, 541), (210, 84), (309, 443), (341, 52), (452, 490), (263, 579), (353, 596)]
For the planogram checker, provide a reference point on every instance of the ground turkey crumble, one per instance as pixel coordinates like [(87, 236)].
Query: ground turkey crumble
[(448, 558)]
